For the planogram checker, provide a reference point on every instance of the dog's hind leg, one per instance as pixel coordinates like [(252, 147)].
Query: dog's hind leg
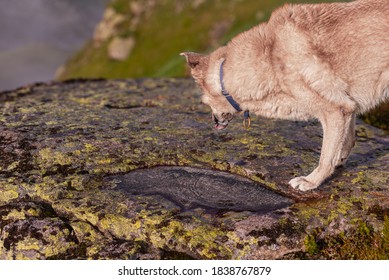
[(336, 127)]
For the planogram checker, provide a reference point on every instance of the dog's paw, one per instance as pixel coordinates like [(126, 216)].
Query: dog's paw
[(302, 184)]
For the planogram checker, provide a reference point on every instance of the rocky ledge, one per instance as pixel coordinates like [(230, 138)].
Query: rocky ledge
[(132, 169)]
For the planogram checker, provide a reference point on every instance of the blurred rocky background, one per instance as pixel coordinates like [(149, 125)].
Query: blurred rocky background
[(37, 36)]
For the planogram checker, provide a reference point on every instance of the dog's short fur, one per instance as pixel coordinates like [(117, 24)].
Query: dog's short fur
[(323, 61)]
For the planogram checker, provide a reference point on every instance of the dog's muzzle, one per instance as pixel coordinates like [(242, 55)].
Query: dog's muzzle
[(222, 123)]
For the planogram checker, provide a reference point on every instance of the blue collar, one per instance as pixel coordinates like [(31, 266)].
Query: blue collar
[(231, 100)]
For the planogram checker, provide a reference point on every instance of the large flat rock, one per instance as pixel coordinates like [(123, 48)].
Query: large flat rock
[(132, 169)]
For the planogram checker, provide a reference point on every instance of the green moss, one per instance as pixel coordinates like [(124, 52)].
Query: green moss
[(361, 179), (310, 244), (363, 242), (307, 212)]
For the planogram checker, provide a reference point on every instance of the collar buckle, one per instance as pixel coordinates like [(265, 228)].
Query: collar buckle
[(246, 120)]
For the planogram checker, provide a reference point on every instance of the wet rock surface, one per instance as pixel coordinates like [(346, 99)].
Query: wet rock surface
[(189, 187), (132, 169)]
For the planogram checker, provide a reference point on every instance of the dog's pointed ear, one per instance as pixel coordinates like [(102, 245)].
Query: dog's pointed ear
[(193, 59)]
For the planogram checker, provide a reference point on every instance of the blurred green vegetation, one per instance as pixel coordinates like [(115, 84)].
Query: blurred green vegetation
[(379, 117), (165, 28)]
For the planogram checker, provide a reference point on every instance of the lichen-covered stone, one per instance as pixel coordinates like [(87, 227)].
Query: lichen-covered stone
[(65, 149)]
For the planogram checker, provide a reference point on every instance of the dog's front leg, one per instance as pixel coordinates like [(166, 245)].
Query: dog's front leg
[(335, 126), (349, 142)]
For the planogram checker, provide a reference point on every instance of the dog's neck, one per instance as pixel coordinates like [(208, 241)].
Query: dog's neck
[(224, 92)]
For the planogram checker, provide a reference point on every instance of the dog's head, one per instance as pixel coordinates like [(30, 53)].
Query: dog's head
[(205, 70)]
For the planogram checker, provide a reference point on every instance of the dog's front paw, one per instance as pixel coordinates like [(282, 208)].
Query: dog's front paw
[(302, 184)]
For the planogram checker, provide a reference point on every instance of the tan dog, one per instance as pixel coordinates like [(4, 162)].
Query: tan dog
[(325, 61)]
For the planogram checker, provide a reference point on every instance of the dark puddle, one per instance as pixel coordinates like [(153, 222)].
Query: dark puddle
[(190, 188)]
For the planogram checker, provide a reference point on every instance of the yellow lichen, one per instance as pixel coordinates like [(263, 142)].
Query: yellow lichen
[(50, 157), (89, 147), (15, 215), (8, 195), (28, 244), (117, 225)]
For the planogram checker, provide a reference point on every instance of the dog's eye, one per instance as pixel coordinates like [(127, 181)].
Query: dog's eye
[(227, 116)]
